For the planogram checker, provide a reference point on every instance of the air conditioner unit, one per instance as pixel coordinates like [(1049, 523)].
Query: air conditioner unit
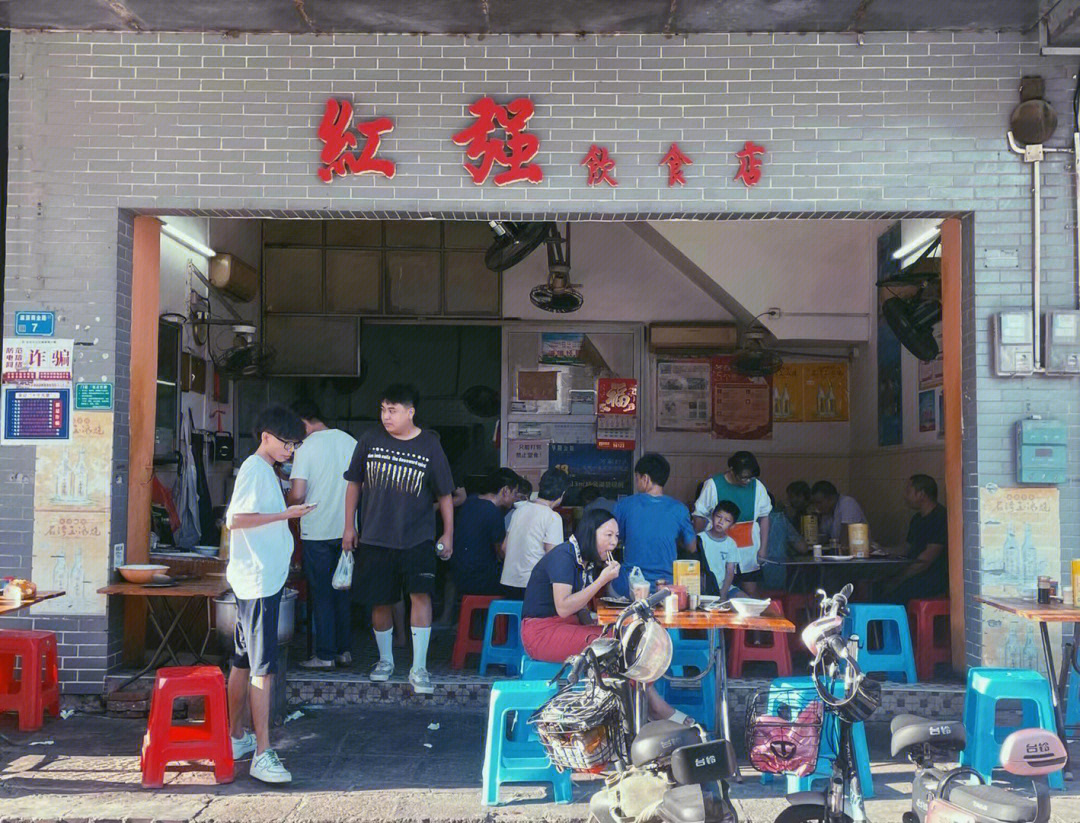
[(668, 337)]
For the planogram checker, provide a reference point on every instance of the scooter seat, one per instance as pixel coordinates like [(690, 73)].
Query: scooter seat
[(910, 730), (661, 738), (993, 802)]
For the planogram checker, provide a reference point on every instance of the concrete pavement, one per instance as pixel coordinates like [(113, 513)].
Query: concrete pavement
[(359, 763)]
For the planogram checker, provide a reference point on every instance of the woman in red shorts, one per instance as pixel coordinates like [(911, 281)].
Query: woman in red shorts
[(556, 623)]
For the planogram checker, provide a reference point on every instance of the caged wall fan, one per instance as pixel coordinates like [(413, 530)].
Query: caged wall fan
[(752, 358), (516, 241), (912, 318), (245, 357)]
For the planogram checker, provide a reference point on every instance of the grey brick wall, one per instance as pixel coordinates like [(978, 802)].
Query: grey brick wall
[(104, 125)]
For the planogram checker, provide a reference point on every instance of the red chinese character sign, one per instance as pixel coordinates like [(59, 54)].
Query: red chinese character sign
[(337, 140), (515, 153), (675, 160), (600, 166), (749, 163), (616, 413)]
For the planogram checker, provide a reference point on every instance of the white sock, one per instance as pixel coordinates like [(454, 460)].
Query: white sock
[(420, 638), (678, 717), (385, 642)]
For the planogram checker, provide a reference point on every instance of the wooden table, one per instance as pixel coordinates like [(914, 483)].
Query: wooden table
[(860, 563), (157, 599), (771, 620), (1044, 613), (9, 606)]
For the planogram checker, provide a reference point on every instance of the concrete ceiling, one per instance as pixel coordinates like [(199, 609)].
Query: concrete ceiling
[(530, 17)]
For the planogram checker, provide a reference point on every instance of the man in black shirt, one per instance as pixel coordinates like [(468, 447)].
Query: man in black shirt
[(927, 546), (403, 472)]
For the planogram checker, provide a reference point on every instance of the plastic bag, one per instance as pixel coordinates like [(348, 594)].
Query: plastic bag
[(639, 586), (343, 572)]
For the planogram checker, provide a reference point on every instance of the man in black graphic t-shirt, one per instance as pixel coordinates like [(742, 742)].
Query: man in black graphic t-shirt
[(401, 471)]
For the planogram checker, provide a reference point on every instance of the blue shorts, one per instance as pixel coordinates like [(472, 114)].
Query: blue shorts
[(255, 636)]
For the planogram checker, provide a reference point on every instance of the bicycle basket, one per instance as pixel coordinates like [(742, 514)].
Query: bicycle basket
[(581, 729), (783, 731)]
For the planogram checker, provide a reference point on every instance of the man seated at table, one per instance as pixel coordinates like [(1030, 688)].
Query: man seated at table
[(837, 512), (927, 546), (653, 525), (799, 502), (479, 532)]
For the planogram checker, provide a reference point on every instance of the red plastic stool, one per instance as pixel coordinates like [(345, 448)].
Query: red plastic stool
[(742, 651), (801, 609), (922, 614), (467, 642), (38, 687), (165, 743)]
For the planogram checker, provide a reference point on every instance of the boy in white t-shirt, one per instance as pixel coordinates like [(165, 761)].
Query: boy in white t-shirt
[(318, 476), (260, 548), (720, 550), (535, 529)]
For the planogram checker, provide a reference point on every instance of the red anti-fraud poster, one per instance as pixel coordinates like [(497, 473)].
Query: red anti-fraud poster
[(742, 406)]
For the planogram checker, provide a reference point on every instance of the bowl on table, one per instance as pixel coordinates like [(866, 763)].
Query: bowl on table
[(749, 606), (141, 572)]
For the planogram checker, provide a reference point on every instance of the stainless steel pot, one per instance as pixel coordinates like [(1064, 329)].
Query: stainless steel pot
[(225, 618)]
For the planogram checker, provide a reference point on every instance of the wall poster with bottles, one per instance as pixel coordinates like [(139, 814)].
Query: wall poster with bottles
[(1020, 539)]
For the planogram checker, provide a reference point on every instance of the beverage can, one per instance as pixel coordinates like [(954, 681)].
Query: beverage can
[(1076, 583), (1043, 589)]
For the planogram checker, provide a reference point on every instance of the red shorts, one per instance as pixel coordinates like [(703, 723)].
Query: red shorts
[(553, 639)]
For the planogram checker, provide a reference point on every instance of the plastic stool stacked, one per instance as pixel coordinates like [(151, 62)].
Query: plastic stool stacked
[(921, 614), (985, 687), (896, 655), (165, 743), (465, 644), (803, 687), (38, 689), (521, 758), (742, 651), (697, 700), (507, 653)]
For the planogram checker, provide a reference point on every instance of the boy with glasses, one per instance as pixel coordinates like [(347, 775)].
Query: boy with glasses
[(260, 548)]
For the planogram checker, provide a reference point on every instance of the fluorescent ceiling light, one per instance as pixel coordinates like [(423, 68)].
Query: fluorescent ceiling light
[(185, 240), (917, 244)]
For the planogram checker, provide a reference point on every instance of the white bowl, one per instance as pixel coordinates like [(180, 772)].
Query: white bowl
[(141, 572), (748, 606)]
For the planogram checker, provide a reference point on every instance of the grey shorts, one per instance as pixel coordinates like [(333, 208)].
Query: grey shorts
[(256, 634)]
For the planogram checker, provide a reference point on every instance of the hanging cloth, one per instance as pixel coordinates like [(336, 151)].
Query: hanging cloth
[(186, 491)]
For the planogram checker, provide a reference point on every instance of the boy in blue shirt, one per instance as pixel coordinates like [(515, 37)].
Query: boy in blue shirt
[(654, 525)]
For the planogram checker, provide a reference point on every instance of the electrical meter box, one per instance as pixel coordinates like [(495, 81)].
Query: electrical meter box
[(1014, 345), (1062, 342), (1041, 447)]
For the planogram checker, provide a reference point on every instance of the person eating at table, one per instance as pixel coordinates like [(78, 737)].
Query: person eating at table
[(837, 511), (927, 546), (741, 486), (784, 543), (556, 621), (654, 526), (798, 501)]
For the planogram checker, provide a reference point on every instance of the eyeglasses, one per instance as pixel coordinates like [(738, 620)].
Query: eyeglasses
[(290, 445)]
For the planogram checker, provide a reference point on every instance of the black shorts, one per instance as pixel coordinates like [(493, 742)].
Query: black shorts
[(756, 576), (380, 572), (255, 636)]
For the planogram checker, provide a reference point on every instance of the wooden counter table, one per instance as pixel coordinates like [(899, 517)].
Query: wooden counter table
[(1044, 613), (771, 620), (157, 597), (10, 606)]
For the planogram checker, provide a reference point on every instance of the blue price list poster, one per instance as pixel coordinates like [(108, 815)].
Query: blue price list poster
[(37, 415)]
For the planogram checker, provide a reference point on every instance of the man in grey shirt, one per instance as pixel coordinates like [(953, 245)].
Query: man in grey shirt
[(836, 511)]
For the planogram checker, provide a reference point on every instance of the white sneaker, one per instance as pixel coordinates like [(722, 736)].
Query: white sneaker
[(243, 746), (316, 663), (344, 659), (421, 681), (267, 768), (382, 671)]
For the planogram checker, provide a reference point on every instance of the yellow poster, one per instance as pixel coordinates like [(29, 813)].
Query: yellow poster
[(788, 394), (71, 516), (1019, 539), (825, 392)]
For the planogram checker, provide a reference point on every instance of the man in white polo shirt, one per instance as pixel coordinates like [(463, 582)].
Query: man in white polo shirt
[(318, 477)]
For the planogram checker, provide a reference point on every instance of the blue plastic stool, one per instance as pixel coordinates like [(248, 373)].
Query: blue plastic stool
[(508, 654), (538, 669), (985, 687), (680, 641), (1072, 698), (698, 701), (795, 693), (520, 760), (896, 655)]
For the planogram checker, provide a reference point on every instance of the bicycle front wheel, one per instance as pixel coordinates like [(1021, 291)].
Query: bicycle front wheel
[(807, 813)]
